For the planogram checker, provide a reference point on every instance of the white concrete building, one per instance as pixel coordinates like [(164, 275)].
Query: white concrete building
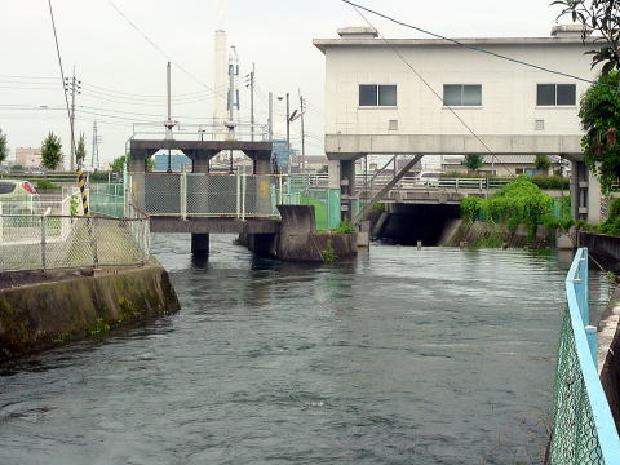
[(398, 97)]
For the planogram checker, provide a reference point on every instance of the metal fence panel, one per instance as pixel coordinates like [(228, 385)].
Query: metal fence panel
[(584, 431), (54, 242)]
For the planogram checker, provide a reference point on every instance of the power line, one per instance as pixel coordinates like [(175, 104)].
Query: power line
[(464, 45), (156, 46), (426, 83), (62, 72)]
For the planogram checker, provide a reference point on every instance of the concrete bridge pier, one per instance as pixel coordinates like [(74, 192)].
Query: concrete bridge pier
[(586, 194), (200, 245)]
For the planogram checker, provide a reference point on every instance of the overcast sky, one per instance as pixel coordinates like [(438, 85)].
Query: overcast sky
[(115, 63)]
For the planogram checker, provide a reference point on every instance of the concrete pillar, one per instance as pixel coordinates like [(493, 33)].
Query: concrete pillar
[(347, 188), (595, 198), (262, 167), (579, 190), (200, 245), (333, 174), (200, 165)]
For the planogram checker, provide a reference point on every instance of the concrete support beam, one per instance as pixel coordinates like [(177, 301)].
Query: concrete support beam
[(354, 146), (200, 245)]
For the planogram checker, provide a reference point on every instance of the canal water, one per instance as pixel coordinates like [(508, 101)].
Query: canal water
[(428, 357)]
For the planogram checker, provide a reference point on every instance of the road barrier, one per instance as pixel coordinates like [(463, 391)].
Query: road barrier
[(583, 431)]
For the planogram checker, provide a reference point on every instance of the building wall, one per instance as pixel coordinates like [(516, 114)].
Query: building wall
[(508, 90), (28, 157)]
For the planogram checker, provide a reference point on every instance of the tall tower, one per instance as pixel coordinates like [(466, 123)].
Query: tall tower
[(220, 80)]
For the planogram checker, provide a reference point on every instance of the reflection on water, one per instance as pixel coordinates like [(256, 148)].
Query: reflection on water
[(434, 357)]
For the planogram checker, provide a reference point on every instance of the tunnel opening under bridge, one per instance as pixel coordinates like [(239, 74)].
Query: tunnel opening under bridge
[(407, 224)]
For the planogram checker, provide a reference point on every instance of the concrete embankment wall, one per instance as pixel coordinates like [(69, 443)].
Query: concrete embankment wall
[(298, 240), (484, 234), (605, 249), (39, 314), (609, 354)]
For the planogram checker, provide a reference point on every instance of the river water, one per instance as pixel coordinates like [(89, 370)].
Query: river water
[(427, 357)]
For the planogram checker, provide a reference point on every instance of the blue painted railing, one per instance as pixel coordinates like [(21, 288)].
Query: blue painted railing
[(584, 431)]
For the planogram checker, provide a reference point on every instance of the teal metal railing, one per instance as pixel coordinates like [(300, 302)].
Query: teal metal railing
[(583, 431)]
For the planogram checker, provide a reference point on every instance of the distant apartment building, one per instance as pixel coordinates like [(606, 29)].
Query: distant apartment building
[(27, 157)]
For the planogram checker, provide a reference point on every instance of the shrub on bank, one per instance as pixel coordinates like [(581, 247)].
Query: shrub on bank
[(45, 185), (551, 183), (612, 225), (520, 202)]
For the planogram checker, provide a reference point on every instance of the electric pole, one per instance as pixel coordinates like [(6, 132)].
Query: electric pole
[(288, 133), (73, 85), (271, 116), (233, 72), (169, 124), (95, 153), (252, 101), (302, 109)]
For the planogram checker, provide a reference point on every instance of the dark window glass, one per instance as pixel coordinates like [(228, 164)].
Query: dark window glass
[(388, 96), (368, 95), (545, 95), (452, 96), (472, 95), (567, 94), (6, 187)]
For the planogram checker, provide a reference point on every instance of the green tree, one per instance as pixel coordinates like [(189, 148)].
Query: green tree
[(4, 147), (80, 151), (473, 162), (118, 164), (543, 163), (51, 151), (600, 116), (603, 17)]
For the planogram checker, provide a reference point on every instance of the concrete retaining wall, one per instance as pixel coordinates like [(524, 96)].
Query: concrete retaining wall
[(298, 240), (43, 314), (609, 355), (605, 249)]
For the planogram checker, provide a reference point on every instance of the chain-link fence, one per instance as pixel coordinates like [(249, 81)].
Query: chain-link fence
[(584, 431), (41, 242), (196, 194)]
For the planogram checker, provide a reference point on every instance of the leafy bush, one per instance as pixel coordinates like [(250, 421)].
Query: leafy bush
[(600, 115), (614, 209), (551, 182), (45, 185), (520, 202), (99, 176), (377, 207), (472, 208), (612, 225), (345, 227)]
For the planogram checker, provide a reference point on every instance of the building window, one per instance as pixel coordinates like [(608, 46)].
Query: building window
[(378, 95), (462, 95), (551, 95)]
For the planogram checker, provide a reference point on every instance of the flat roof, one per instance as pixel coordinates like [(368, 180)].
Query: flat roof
[(324, 44)]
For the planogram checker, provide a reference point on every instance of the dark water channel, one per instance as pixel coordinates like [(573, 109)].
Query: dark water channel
[(402, 357)]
